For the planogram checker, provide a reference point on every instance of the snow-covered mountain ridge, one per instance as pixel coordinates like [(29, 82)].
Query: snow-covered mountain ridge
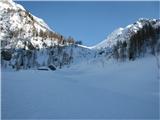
[(19, 28), (124, 34), (27, 41), (9, 4), (17, 25), (135, 40)]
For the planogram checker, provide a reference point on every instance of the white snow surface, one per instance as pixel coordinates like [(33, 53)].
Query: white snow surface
[(128, 90), (41, 22)]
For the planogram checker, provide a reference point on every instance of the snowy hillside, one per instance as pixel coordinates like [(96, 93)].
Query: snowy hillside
[(27, 41), (17, 25), (134, 41), (124, 34)]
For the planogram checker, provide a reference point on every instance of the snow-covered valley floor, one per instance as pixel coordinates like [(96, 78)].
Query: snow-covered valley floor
[(116, 90)]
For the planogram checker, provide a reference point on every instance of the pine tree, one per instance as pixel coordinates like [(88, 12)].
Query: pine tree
[(115, 52)]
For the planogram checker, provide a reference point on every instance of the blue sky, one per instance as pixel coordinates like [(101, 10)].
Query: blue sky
[(90, 22)]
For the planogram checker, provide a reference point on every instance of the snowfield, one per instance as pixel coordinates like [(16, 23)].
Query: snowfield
[(91, 84), (87, 91)]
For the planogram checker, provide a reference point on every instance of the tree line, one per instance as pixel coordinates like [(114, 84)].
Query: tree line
[(145, 40)]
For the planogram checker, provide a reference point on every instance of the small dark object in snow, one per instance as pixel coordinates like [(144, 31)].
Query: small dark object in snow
[(52, 67), (43, 69)]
